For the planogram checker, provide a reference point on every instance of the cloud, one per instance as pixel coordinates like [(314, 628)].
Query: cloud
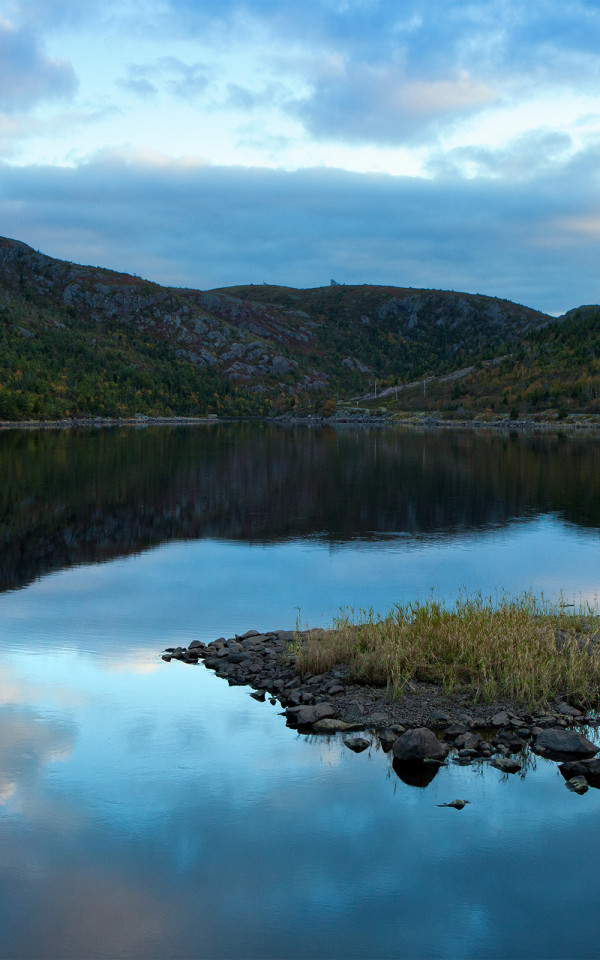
[(524, 157), (205, 226), (27, 74), (372, 104), (182, 80)]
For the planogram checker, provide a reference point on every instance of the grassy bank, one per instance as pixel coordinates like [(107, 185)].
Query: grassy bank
[(522, 649)]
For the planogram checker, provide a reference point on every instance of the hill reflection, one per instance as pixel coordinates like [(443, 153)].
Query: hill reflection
[(71, 497)]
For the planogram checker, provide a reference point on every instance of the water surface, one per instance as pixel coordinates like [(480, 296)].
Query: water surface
[(149, 810)]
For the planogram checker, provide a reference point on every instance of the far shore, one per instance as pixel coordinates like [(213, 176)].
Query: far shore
[(575, 425)]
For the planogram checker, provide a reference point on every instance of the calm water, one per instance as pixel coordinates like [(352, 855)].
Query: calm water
[(149, 810)]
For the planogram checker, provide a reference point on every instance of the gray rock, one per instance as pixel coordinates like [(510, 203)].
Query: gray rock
[(590, 769), (568, 711), (419, 744), (468, 741), (387, 739), (500, 719), (332, 725), (358, 744), (563, 745), (456, 729), (506, 765), (307, 715)]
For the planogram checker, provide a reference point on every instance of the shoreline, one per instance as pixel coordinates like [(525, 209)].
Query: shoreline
[(418, 421), (454, 726)]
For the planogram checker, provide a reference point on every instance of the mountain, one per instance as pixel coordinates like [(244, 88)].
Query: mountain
[(82, 340)]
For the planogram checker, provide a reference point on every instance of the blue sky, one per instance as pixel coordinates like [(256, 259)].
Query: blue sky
[(434, 143)]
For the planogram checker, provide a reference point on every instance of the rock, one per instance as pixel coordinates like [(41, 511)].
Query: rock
[(387, 739), (563, 745), (511, 741), (166, 657), (500, 719), (590, 769), (577, 784), (258, 695), (438, 716), (568, 711), (506, 765), (468, 741), (455, 730), (306, 716), (358, 744), (196, 643), (419, 744), (332, 725), (237, 657)]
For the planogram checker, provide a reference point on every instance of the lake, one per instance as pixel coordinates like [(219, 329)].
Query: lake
[(149, 810)]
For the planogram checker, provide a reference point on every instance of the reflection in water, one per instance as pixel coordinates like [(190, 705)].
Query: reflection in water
[(415, 774), (150, 811), (28, 743), (189, 821), (74, 497)]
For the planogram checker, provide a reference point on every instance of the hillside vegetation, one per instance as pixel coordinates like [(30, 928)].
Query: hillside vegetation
[(85, 341)]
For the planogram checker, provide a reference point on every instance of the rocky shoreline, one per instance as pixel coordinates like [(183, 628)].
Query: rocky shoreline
[(573, 426), (424, 727)]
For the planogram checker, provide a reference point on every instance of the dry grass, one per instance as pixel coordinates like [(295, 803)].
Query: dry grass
[(503, 649)]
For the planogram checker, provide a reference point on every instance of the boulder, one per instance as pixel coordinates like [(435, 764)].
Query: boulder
[(419, 744), (563, 745)]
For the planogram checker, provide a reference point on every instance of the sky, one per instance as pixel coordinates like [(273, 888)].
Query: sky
[(443, 144)]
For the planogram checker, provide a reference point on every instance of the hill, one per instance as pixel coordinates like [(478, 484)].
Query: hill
[(85, 341)]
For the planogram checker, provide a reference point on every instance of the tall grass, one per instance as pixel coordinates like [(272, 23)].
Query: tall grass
[(498, 649)]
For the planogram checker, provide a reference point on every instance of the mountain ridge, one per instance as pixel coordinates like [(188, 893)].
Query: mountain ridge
[(88, 340)]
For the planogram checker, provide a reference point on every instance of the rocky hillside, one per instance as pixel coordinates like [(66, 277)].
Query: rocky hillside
[(85, 340)]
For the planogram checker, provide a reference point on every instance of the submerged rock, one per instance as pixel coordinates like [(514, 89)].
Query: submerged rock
[(577, 784)]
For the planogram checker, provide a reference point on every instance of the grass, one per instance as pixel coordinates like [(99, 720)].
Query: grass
[(502, 649)]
